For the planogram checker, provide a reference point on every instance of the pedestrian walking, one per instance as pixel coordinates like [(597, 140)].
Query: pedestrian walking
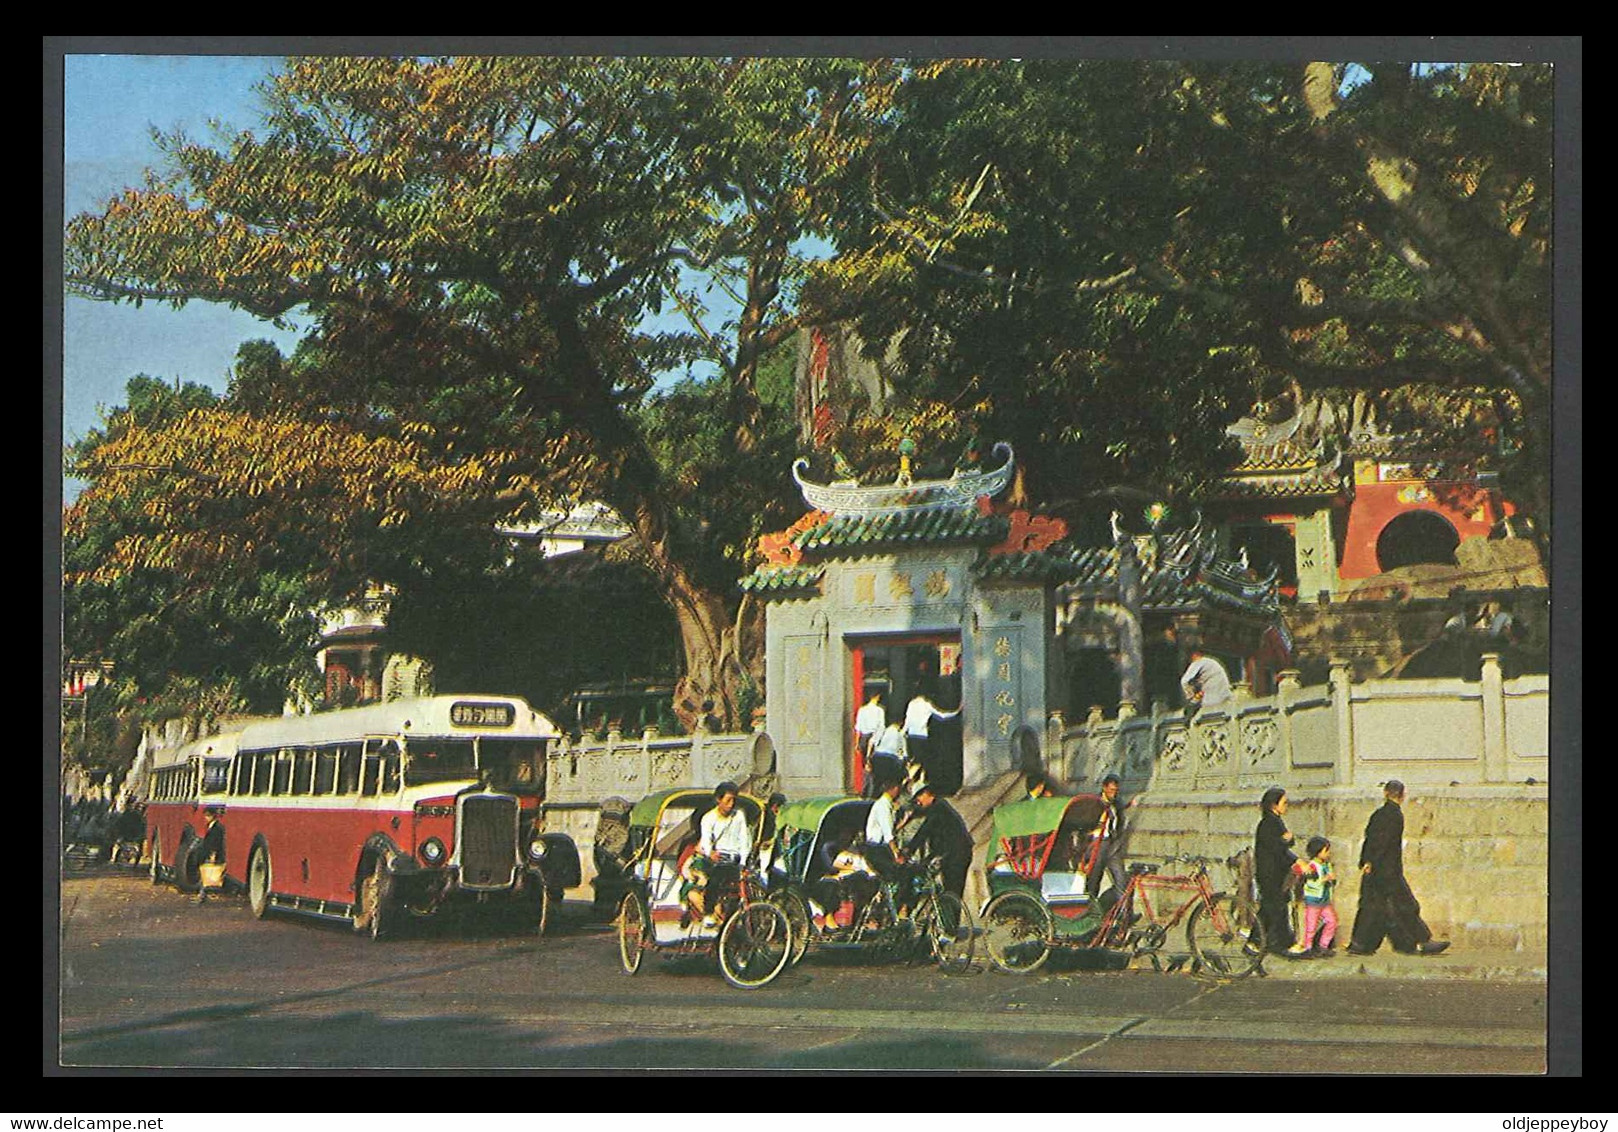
[(211, 856), (919, 714), (1319, 913), (1388, 909), (1272, 869), (1109, 836), (887, 759)]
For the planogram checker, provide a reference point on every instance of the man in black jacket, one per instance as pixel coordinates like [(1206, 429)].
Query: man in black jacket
[(942, 834), (1387, 906), (212, 851)]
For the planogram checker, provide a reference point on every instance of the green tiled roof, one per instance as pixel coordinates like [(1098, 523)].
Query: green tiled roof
[(1034, 566), (778, 579), (846, 533)]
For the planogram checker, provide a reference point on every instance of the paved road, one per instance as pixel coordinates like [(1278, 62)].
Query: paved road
[(149, 979)]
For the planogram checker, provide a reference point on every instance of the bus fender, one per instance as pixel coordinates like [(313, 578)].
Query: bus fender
[(560, 867), (396, 860)]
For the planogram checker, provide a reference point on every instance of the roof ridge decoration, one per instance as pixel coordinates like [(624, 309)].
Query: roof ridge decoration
[(1030, 533), (779, 548), (961, 490)]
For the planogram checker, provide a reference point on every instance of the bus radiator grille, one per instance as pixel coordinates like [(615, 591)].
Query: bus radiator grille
[(488, 841)]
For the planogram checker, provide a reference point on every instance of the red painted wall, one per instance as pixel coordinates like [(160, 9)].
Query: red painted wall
[(1468, 508)]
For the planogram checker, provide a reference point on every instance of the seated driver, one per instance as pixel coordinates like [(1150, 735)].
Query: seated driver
[(725, 844)]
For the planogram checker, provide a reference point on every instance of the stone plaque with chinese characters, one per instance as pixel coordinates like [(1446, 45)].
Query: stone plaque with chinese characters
[(1002, 683)]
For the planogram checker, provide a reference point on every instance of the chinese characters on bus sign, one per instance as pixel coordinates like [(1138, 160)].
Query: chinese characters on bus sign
[(466, 713)]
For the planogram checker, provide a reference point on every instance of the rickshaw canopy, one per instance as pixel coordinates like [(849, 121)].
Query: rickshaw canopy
[(810, 812), (646, 812), (1040, 818)]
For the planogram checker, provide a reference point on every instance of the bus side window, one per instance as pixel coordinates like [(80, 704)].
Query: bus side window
[(303, 773), (283, 772), (348, 774), (263, 771), (238, 767), (325, 771), (390, 770), (371, 772)]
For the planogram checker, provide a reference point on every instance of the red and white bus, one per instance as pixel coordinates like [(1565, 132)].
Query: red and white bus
[(182, 782), (372, 813)]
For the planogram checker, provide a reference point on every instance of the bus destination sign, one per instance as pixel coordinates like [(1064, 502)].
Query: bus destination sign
[(468, 713)]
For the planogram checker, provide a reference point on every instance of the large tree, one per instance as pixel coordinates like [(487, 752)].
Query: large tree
[(1119, 257), (481, 243)]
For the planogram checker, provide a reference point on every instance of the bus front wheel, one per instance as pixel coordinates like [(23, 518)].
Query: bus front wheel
[(376, 902)]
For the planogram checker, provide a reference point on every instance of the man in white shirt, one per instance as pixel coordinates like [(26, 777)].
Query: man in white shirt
[(880, 851), (1206, 684), (724, 845), (919, 715), (869, 721)]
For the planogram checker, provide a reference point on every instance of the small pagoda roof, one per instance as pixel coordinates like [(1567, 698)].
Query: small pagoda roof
[(959, 491), (1186, 573)]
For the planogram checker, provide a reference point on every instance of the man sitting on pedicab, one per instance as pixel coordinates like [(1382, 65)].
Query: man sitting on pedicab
[(724, 845), (848, 881), (882, 850)]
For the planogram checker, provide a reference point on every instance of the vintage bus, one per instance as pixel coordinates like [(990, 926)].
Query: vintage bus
[(182, 783), (374, 813)]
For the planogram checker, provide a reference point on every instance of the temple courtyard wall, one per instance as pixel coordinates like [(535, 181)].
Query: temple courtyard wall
[(1474, 755)]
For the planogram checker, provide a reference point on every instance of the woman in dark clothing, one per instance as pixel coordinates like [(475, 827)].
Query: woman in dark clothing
[(1272, 866)]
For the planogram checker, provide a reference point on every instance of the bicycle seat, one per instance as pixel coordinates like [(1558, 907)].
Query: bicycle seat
[(1142, 868)]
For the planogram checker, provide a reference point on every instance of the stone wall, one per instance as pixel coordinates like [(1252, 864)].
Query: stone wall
[(580, 775), (1476, 856), (1438, 732), (1475, 756)]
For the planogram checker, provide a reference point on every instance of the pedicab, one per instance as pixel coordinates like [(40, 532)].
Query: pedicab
[(751, 937), (934, 924), (1038, 867)]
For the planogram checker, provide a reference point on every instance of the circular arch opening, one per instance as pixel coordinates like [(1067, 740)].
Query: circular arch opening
[(1414, 538)]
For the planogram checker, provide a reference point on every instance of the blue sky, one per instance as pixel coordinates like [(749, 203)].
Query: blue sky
[(111, 104)]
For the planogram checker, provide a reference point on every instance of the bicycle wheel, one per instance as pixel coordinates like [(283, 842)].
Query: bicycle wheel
[(1018, 932), (633, 923), (754, 945), (792, 902), (949, 932), (1226, 937)]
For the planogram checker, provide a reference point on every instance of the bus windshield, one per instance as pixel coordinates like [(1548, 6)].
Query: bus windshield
[(517, 765), (439, 760)]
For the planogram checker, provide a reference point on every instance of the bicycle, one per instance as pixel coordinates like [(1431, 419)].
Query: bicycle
[(1223, 929)]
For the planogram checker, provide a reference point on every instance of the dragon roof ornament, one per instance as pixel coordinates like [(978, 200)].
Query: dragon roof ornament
[(960, 490)]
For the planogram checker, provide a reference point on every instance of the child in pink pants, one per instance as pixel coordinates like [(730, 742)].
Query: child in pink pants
[(1319, 917)]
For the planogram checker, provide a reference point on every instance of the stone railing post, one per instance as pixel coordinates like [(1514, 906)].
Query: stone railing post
[(1342, 691), (1286, 690), (1494, 720)]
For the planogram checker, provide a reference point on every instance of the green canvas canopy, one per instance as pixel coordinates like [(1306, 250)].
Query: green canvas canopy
[(1035, 816), (808, 813), (646, 811)]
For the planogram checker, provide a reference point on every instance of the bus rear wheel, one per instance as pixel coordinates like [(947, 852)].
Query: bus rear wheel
[(259, 877)]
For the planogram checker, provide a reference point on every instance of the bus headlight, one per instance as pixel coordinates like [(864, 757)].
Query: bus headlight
[(432, 851), (536, 849)]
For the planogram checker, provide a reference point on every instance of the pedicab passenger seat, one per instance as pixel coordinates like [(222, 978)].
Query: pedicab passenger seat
[(1064, 888)]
